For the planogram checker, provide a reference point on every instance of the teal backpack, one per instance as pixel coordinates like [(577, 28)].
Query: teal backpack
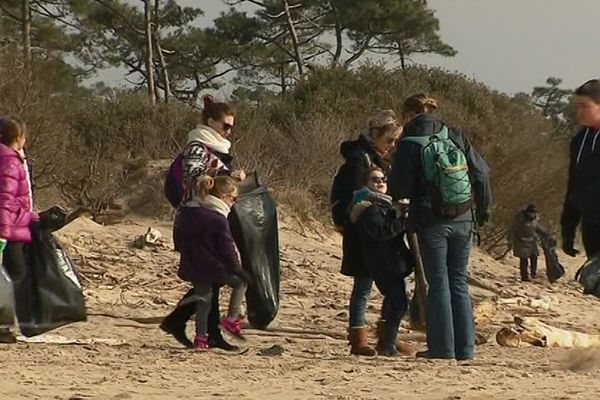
[(446, 174)]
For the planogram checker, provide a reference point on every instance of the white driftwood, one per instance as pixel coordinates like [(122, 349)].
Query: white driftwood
[(531, 331)]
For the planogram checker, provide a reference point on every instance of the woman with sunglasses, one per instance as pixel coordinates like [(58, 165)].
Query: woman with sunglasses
[(206, 154), (388, 260), (370, 149)]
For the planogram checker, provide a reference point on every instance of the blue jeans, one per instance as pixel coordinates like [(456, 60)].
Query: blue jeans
[(361, 291), (445, 248)]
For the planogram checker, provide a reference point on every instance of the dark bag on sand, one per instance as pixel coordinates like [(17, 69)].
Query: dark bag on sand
[(554, 269), (589, 276), (7, 300), (253, 222), (50, 295)]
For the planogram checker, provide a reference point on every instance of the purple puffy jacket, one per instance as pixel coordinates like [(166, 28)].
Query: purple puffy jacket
[(16, 213)]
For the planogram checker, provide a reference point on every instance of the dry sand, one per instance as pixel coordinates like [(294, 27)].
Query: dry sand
[(123, 355)]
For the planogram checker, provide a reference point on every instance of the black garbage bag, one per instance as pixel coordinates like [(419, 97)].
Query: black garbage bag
[(7, 300), (554, 269), (253, 222), (50, 295), (589, 276)]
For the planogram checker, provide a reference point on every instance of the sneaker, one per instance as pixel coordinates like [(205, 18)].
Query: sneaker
[(217, 341), (233, 325), (201, 343)]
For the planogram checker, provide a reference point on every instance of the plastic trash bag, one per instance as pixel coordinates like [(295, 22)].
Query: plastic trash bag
[(50, 295), (554, 269), (589, 276), (7, 300), (253, 222)]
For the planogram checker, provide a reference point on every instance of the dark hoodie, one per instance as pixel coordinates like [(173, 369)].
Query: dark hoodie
[(582, 202), (359, 155), (407, 179)]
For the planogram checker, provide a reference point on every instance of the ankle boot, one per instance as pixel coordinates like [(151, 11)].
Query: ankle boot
[(359, 341), (386, 346), (403, 348)]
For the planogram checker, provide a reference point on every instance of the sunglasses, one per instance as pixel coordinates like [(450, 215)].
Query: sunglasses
[(226, 127), (378, 180)]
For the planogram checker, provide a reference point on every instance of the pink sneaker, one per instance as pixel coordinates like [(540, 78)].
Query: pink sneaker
[(233, 325), (201, 343)]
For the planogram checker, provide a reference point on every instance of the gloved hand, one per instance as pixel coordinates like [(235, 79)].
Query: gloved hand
[(569, 246), (482, 217), (245, 276)]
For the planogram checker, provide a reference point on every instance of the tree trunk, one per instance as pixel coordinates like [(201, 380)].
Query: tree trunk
[(149, 53), (402, 56), (339, 40), (161, 57), (295, 43), (26, 28)]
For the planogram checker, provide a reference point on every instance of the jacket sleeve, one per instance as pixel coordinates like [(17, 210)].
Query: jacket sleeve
[(195, 162), (227, 249), (570, 216), (350, 175), (480, 176), (378, 226), (406, 167)]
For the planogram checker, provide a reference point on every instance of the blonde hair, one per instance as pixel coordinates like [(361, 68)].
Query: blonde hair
[(11, 130), (418, 104), (218, 186)]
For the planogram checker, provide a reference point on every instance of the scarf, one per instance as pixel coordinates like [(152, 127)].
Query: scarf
[(212, 203), (210, 138)]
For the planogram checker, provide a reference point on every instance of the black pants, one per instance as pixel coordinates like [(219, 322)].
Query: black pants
[(591, 238), (526, 264), (186, 308), (395, 300), (15, 264)]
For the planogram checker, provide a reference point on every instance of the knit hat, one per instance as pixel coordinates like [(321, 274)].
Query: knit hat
[(382, 118)]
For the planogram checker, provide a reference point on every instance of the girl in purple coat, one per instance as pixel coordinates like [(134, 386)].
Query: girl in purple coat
[(16, 208), (208, 253)]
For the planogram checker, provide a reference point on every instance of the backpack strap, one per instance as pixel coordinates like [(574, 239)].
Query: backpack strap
[(443, 134)]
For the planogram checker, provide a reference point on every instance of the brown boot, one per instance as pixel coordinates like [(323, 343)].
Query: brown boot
[(403, 348), (359, 341)]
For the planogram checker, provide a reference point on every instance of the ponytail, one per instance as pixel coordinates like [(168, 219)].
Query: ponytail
[(418, 104), (214, 110)]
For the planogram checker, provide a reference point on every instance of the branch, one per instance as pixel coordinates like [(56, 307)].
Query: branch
[(359, 53), (9, 14)]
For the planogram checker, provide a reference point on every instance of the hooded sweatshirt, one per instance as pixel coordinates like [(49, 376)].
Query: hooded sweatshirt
[(582, 201)]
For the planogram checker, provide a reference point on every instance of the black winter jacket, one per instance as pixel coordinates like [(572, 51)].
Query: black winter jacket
[(359, 155), (582, 201), (384, 251)]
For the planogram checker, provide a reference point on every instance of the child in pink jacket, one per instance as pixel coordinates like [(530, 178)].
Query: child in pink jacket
[(16, 211)]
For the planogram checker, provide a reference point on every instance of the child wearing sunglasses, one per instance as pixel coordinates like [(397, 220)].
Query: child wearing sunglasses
[(209, 256), (385, 255)]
